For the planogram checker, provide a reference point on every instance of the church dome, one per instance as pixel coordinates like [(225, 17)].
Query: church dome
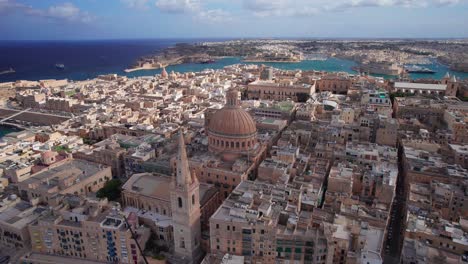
[(231, 128), (232, 122)]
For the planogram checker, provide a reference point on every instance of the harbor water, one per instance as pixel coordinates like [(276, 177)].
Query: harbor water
[(36, 60)]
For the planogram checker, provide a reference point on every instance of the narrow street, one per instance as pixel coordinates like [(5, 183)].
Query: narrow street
[(396, 226)]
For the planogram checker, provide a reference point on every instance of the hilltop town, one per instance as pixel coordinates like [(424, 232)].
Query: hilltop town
[(246, 164)]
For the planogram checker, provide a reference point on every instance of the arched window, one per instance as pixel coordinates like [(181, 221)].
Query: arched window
[(180, 202), (193, 199)]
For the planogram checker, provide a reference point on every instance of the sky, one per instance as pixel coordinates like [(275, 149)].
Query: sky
[(152, 19)]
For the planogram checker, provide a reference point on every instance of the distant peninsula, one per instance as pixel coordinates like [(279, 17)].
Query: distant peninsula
[(453, 53)]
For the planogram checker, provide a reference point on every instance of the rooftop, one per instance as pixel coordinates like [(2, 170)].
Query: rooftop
[(147, 184), (64, 175), (422, 86)]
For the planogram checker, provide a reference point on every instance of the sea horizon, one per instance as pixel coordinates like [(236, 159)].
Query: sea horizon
[(237, 38), (86, 59)]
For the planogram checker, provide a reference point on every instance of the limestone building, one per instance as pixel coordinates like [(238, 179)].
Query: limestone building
[(234, 151), (269, 90), (86, 230), (265, 224), (185, 204), (72, 177)]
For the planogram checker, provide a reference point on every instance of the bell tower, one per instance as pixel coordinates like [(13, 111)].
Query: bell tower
[(185, 205), (232, 98)]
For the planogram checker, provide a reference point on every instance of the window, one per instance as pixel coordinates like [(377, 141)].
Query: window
[(182, 243), (180, 202), (193, 199)]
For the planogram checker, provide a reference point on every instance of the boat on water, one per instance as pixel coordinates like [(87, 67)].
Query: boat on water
[(60, 66), (11, 70), (384, 68), (207, 61), (418, 69)]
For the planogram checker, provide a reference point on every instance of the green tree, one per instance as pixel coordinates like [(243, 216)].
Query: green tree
[(111, 190)]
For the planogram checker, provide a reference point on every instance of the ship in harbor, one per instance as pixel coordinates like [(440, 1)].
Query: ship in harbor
[(384, 68), (11, 70), (208, 61), (418, 69), (60, 66)]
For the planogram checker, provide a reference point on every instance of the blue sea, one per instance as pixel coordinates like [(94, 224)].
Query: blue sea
[(4, 130), (35, 60)]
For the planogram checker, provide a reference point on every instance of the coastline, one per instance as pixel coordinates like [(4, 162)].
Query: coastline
[(141, 69), (271, 61), (7, 72), (7, 129)]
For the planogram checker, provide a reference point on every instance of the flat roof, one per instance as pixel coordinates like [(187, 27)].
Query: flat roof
[(159, 186), (52, 177), (149, 185), (423, 86)]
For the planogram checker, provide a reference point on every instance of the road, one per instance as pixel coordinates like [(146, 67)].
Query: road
[(16, 114), (32, 112), (396, 225)]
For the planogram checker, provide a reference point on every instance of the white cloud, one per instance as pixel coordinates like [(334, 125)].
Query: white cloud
[(195, 9), (137, 4), (68, 11), (448, 2), (214, 15), (265, 5), (345, 5), (64, 12), (9, 5), (263, 8), (178, 6)]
